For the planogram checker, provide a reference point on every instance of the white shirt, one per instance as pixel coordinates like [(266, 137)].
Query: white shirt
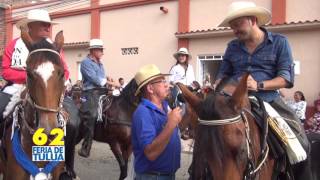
[(299, 108), (178, 74)]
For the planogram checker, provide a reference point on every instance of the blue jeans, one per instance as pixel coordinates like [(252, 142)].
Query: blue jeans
[(154, 177)]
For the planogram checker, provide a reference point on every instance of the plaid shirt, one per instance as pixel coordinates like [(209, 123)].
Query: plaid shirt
[(316, 124)]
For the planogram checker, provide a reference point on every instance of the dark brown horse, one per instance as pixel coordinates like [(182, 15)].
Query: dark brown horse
[(224, 148), (39, 107), (116, 126)]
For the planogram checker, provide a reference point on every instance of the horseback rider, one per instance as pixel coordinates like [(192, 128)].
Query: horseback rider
[(265, 55), (38, 23), (94, 79)]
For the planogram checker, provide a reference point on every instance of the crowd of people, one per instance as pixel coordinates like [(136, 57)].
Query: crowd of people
[(155, 134)]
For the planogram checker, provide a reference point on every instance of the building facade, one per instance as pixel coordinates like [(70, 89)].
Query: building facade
[(138, 32)]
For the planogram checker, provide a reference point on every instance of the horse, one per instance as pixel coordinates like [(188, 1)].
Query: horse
[(116, 126), (230, 145), (39, 107)]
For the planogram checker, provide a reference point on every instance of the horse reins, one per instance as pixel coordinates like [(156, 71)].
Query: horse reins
[(221, 122)]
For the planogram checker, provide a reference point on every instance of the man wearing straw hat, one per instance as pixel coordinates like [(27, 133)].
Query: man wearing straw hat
[(155, 138), (94, 78), (266, 56), (38, 23)]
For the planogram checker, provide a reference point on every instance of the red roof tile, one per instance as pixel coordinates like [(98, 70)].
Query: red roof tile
[(221, 29)]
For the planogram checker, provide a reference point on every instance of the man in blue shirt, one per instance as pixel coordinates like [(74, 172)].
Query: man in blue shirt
[(266, 56), (155, 137), (94, 78)]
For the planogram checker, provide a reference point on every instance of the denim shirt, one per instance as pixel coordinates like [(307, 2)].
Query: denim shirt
[(271, 59), (93, 74)]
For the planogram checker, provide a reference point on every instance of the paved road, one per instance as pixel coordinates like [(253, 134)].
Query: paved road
[(101, 165)]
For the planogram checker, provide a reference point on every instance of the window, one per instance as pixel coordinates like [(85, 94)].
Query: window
[(130, 51)]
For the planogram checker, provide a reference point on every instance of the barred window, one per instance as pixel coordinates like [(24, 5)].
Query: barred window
[(130, 51)]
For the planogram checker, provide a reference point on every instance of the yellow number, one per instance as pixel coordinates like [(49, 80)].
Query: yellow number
[(39, 138), (58, 140)]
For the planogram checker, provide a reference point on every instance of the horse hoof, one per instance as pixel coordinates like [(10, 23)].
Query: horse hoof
[(65, 176)]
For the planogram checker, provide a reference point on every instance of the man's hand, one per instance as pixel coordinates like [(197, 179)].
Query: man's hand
[(252, 84), (174, 117)]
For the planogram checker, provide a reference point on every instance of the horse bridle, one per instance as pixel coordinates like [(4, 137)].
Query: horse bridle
[(250, 170), (34, 105)]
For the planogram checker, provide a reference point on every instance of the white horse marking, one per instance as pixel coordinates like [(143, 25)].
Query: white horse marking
[(45, 71)]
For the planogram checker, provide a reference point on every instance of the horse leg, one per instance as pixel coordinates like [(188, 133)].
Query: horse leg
[(116, 149), (72, 133)]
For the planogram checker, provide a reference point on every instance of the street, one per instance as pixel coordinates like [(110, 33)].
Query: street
[(102, 165)]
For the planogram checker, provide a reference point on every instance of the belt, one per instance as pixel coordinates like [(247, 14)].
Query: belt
[(159, 173)]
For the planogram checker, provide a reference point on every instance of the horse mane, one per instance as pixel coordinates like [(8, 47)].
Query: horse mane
[(128, 92), (45, 44), (209, 142)]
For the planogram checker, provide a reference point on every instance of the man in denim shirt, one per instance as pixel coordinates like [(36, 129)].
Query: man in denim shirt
[(94, 78), (266, 56)]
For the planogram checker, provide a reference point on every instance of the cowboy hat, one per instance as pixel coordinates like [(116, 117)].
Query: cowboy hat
[(35, 15), (95, 44), (182, 50), (146, 74), (245, 8)]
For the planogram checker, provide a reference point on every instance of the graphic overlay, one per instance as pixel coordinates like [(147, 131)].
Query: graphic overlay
[(54, 151)]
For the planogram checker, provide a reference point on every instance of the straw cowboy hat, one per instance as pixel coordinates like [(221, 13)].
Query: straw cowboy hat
[(245, 8), (35, 15), (182, 50), (146, 74), (96, 44)]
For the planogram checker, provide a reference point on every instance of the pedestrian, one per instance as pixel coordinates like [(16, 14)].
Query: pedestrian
[(182, 71), (155, 136), (313, 132), (299, 105)]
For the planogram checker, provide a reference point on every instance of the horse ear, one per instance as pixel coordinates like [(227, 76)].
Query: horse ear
[(59, 40), (240, 95), (26, 38), (191, 98)]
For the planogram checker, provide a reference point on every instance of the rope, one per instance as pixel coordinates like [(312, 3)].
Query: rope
[(220, 122), (100, 107)]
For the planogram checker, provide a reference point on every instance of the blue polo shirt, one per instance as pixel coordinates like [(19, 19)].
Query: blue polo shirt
[(147, 123), (272, 58)]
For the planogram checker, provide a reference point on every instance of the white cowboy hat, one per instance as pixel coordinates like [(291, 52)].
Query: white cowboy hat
[(146, 74), (35, 15), (95, 44), (245, 8), (182, 50)]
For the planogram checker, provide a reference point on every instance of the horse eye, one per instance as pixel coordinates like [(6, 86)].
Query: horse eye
[(61, 74)]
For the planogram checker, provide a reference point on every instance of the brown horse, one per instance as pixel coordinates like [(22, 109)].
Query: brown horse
[(39, 108), (223, 143), (116, 126)]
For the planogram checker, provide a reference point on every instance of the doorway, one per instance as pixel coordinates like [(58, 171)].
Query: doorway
[(208, 64)]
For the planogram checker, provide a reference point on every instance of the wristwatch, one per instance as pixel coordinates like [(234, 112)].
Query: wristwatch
[(260, 85)]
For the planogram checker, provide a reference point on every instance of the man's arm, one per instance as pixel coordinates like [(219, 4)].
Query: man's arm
[(9, 74), (153, 150), (273, 84), (65, 66), (285, 70)]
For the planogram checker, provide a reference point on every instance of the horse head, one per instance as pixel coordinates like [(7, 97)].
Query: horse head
[(45, 80), (221, 139)]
